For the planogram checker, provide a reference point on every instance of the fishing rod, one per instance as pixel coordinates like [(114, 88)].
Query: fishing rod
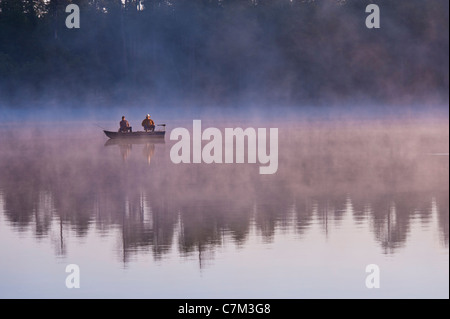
[(101, 127)]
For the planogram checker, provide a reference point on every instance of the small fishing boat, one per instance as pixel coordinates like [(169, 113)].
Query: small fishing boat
[(134, 135), (137, 135)]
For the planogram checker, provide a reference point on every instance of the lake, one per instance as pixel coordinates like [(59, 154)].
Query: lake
[(346, 195)]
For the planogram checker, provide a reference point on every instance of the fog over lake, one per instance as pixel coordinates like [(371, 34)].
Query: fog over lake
[(351, 191)]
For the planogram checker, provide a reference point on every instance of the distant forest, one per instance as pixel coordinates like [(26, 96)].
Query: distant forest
[(217, 52)]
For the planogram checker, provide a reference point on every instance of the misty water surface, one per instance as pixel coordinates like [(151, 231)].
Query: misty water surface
[(345, 195)]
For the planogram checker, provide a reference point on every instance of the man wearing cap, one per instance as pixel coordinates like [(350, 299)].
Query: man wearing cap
[(125, 126), (148, 124)]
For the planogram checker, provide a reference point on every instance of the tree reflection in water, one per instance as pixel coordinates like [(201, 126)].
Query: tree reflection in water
[(380, 176)]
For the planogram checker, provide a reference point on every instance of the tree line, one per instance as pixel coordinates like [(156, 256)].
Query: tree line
[(223, 51)]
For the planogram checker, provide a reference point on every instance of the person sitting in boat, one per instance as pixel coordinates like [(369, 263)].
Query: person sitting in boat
[(148, 124), (125, 126)]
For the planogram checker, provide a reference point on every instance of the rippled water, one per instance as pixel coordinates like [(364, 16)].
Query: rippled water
[(345, 195)]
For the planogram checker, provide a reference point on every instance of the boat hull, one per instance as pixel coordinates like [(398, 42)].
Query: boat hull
[(135, 135)]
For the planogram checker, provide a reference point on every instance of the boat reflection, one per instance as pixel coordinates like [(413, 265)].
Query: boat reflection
[(125, 146)]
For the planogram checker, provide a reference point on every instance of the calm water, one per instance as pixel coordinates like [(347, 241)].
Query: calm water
[(345, 195)]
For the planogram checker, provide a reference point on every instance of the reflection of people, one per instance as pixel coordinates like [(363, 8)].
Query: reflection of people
[(148, 124), (149, 150), (125, 150), (125, 126)]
